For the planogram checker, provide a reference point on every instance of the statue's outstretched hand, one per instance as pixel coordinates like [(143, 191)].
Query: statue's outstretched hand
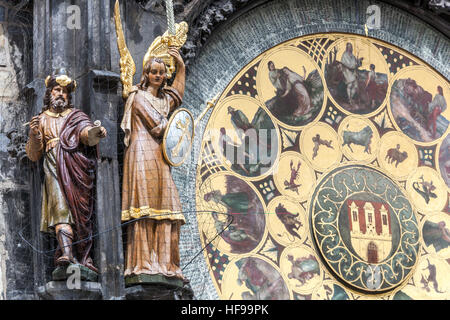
[(103, 132), (173, 51), (34, 126)]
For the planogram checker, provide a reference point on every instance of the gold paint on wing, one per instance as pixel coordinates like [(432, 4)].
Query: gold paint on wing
[(210, 164), (160, 47), (127, 65)]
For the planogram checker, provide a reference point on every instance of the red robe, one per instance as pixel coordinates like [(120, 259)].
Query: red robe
[(76, 165)]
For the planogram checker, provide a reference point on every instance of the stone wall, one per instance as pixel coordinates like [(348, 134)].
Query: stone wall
[(15, 50)]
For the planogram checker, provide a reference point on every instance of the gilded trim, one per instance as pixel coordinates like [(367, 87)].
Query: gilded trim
[(57, 115), (146, 211), (51, 140)]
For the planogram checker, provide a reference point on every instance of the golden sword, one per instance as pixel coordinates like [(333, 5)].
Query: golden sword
[(184, 127)]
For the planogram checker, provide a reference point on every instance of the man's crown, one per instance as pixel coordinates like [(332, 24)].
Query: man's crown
[(61, 77)]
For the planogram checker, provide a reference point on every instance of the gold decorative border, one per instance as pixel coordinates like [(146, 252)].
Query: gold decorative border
[(335, 274), (146, 211)]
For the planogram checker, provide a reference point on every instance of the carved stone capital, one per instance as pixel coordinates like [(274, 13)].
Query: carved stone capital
[(16, 146), (203, 19)]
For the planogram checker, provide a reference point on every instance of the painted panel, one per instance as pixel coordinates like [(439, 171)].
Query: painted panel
[(324, 174)]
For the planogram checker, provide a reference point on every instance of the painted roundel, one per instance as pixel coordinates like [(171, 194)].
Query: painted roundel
[(291, 86), (244, 136), (365, 228), (418, 103), (357, 75), (324, 174)]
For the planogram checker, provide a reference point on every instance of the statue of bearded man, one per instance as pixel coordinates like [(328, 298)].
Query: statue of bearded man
[(62, 134)]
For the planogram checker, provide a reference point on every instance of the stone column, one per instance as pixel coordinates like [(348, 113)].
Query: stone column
[(105, 100)]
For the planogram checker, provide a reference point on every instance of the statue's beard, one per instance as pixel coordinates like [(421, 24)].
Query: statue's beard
[(59, 104)]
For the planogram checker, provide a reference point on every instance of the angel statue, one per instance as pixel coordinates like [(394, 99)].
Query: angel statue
[(149, 194)]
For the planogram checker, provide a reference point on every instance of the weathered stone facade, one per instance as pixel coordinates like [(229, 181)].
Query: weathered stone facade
[(224, 37), (15, 53)]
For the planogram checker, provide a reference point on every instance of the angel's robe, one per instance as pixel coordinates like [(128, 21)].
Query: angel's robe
[(148, 190)]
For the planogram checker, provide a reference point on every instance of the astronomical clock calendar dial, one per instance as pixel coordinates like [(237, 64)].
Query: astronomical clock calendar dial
[(324, 173)]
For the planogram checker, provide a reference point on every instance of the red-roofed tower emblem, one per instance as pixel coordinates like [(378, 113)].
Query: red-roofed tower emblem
[(370, 229)]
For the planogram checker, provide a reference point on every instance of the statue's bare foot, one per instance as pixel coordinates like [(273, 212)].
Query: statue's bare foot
[(63, 261), (90, 265)]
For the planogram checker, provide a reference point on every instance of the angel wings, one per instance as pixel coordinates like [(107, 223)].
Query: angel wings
[(158, 48)]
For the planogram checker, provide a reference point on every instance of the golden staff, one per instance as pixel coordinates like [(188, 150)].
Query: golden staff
[(210, 104), (26, 124)]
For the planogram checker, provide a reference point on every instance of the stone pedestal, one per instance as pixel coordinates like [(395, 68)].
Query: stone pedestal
[(72, 282), (156, 287), (74, 270), (158, 292), (156, 279), (59, 290)]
